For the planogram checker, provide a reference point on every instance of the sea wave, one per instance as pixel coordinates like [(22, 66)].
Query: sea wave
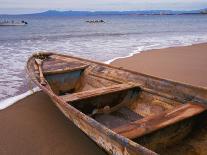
[(58, 36)]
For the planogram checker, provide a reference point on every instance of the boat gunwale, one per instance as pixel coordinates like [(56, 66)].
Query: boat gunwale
[(134, 72)]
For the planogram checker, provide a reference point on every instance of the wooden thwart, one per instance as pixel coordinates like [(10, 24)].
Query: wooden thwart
[(152, 123), (64, 70), (98, 92)]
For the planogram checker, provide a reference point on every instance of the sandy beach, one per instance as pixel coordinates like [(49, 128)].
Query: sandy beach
[(186, 64), (35, 126)]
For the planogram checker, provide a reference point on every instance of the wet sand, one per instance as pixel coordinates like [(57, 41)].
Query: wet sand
[(35, 126)]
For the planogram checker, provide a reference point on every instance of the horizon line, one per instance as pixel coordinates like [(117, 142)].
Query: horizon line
[(93, 11)]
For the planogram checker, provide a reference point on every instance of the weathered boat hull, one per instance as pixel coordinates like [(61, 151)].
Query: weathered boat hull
[(104, 137), (112, 142)]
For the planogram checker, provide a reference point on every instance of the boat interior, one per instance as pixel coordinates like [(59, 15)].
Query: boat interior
[(147, 117)]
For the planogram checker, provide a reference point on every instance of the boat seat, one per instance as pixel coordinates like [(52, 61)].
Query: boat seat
[(152, 123), (53, 66), (98, 92)]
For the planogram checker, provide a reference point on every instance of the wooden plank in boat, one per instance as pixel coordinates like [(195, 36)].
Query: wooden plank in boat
[(53, 66), (98, 91), (152, 123)]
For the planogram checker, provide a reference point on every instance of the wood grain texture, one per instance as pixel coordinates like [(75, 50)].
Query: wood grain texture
[(152, 123)]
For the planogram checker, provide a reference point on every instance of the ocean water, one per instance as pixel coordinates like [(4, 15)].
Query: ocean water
[(120, 36)]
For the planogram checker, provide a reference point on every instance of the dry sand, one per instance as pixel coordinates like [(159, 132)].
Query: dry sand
[(186, 64), (35, 126)]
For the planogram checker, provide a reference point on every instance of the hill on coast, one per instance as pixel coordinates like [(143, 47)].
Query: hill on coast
[(93, 13)]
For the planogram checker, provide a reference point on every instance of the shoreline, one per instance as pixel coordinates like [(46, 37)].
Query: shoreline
[(146, 49), (12, 100), (118, 61)]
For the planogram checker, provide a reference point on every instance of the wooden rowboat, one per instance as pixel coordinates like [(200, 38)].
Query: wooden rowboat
[(124, 112)]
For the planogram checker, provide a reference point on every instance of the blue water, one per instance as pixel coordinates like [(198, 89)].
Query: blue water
[(120, 36)]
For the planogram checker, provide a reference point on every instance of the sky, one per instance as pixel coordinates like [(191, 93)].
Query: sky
[(31, 6)]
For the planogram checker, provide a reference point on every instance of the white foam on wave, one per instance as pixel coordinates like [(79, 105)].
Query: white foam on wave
[(160, 44), (138, 50), (130, 54), (10, 101)]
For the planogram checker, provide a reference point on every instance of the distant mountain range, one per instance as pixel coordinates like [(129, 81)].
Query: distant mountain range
[(91, 13)]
